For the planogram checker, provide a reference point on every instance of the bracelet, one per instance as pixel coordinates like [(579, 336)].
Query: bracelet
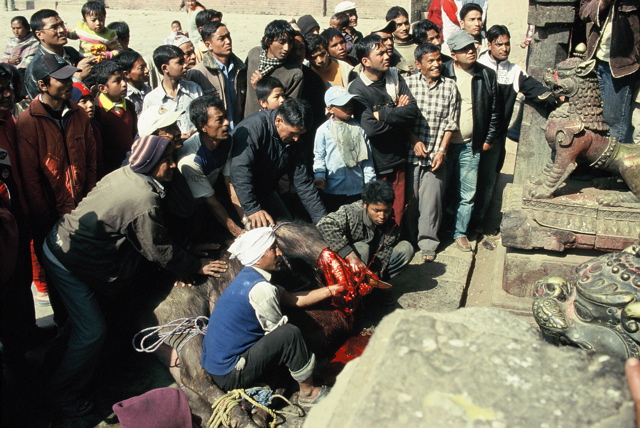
[(442, 150)]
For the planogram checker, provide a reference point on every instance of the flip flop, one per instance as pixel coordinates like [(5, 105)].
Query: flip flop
[(324, 391)]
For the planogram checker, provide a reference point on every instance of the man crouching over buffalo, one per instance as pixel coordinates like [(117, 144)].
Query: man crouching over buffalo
[(94, 250), (248, 336)]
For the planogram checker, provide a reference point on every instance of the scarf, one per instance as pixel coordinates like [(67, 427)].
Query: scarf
[(267, 65), (350, 142)]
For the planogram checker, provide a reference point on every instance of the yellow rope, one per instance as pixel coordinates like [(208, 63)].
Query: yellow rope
[(221, 415)]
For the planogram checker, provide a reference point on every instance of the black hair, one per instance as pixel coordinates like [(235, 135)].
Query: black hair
[(265, 86), (378, 192), (207, 15), (36, 19), (121, 28), (296, 112), (126, 59), (199, 109), (424, 49), (274, 30), (23, 21), (342, 18), (96, 7), (10, 72), (102, 71), (165, 53), (330, 33), (364, 46), (421, 28), (209, 29), (176, 22), (468, 8), (395, 12), (496, 31), (313, 43)]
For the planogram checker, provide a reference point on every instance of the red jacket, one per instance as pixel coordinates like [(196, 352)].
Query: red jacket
[(58, 169)]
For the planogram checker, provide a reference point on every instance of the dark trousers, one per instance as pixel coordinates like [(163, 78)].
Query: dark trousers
[(397, 177), (284, 346)]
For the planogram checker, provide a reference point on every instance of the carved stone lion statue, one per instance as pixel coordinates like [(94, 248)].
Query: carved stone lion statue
[(577, 129)]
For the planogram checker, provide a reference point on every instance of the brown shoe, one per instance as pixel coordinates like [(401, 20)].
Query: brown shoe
[(463, 244)]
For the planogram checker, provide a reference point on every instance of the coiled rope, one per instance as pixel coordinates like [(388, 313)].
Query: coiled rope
[(190, 326)]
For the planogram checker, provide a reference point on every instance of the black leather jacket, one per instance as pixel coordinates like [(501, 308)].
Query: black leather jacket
[(487, 108)]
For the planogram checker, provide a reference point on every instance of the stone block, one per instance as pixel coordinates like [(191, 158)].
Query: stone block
[(474, 367)]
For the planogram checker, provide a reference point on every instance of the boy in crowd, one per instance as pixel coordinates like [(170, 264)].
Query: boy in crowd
[(136, 74), (272, 59), (176, 30), (385, 112), (202, 18), (332, 71), (403, 41), (81, 95), (270, 93), (342, 162), (438, 101), (340, 21), (116, 115), (95, 38), (122, 31), (337, 46), (174, 93)]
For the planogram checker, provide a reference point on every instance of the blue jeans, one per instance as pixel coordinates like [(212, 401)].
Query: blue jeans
[(616, 96), (86, 330), (462, 179)]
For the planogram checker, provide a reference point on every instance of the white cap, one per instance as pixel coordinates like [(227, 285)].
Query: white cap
[(345, 6), (152, 119)]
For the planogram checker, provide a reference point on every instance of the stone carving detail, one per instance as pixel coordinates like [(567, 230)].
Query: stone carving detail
[(597, 309), (577, 130)]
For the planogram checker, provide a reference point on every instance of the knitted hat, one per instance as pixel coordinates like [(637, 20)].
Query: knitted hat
[(146, 152), (306, 23), (80, 90)]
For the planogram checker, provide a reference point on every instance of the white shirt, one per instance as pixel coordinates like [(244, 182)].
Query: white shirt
[(187, 92)]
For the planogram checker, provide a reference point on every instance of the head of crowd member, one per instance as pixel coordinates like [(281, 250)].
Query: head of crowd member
[(53, 75), (299, 51), (428, 61), (153, 156), (161, 122), (278, 39), (308, 25), (499, 42), (20, 27), (134, 68), (426, 31), (176, 27), (471, 19), (217, 39), (94, 15), (108, 77), (336, 45), (463, 49), (183, 43), (258, 247), (205, 16), (349, 8), (122, 31), (7, 90), (15, 78), (49, 29), (340, 21), (403, 27), (317, 53), (339, 103), (386, 34), (373, 55), (293, 118), (169, 60), (81, 95), (209, 116), (378, 198), (270, 93)]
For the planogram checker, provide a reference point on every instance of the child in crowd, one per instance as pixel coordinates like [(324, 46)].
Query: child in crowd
[(82, 96), (116, 115), (270, 92), (174, 93), (122, 31), (340, 21), (337, 46), (95, 39), (176, 30), (342, 161), (136, 74)]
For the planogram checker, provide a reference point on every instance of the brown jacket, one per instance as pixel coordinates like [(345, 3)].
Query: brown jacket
[(625, 33), (58, 168)]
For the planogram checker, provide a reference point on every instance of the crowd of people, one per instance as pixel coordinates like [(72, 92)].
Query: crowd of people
[(107, 156)]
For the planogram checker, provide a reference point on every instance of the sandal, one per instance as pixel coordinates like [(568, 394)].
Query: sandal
[(324, 391), (76, 409)]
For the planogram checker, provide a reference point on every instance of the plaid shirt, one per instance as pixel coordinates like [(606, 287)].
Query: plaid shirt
[(440, 108), (26, 48)]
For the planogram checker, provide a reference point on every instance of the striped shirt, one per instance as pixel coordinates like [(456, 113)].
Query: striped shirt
[(25, 48)]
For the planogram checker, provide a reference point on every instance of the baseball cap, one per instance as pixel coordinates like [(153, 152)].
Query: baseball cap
[(337, 96), (80, 90), (345, 6), (52, 65), (152, 119), (460, 39), (387, 27)]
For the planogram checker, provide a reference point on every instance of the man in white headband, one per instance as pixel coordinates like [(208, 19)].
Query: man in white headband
[(247, 335)]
